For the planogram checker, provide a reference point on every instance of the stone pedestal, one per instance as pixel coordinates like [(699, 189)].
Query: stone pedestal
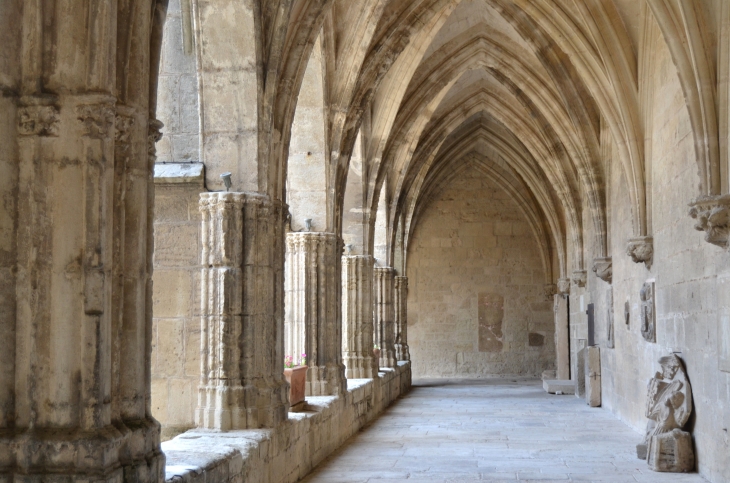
[(242, 361), (671, 452), (384, 314), (312, 319), (562, 336), (357, 317), (592, 356), (402, 352)]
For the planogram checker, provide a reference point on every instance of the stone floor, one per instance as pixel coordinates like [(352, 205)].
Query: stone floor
[(490, 430)]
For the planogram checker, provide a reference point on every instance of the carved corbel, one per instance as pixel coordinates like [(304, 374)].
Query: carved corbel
[(603, 268), (712, 215), (564, 286), (154, 134), (580, 277), (641, 250), (550, 289)]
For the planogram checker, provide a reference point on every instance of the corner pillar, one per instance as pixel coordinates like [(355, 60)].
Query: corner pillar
[(312, 317), (402, 352), (241, 379), (384, 314), (357, 317)]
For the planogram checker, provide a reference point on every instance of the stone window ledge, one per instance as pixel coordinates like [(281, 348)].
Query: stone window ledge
[(180, 173), (292, 450)]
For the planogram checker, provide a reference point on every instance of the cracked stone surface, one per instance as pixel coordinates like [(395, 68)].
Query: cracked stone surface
[(491, 430)]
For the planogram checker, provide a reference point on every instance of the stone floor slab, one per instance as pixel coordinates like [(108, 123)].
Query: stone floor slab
[(491, 430)]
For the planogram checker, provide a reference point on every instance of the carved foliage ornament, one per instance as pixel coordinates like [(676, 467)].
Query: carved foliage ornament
[(580, 277), (38, 121), (712, 215), (641, 250), (603, 268), (123, 125), (97, 119)]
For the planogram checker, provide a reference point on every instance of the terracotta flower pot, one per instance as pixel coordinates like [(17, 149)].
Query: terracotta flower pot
[(297, 378)]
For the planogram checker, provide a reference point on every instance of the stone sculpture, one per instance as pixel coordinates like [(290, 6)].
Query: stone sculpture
[(648, 324), (668, 406)]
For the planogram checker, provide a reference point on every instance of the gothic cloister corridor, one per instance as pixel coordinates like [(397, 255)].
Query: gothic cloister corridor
[(496, 430)]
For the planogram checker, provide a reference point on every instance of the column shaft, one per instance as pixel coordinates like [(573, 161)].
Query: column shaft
[(312, 318), (357, 317), (384, 314), (241, 381), (402, 352)]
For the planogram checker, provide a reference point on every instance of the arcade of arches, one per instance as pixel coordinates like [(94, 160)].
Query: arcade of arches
[(479, 188)]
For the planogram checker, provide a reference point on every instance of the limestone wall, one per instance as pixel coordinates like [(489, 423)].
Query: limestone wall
[(689, 275), (176, 306), (473, 245)]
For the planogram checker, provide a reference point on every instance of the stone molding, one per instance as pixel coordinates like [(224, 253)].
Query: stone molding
[(641, 250), (241, 381), (384, 314), (712, 215), (563, 286), (357, 317), (311, 323), (402, 351), (580, 277), (603, 268)]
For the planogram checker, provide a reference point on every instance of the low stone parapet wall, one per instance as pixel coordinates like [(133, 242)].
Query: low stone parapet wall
[(289, 452)]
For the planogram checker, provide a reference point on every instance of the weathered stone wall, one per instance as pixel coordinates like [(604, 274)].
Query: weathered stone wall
[(176, 306), (177, 89), (474, 245), (689, 275)]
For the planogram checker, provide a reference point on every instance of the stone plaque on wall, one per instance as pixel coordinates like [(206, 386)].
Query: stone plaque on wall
[(648, 312), (491, 314), (609, 319)]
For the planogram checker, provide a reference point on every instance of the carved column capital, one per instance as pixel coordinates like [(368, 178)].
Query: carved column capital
[(641, 250), (563, 286), (712, 215), (580, 277), (603, 268), (96, 119), (38, 120)]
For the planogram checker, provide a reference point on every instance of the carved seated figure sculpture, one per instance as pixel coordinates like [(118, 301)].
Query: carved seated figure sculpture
[(666, 447)]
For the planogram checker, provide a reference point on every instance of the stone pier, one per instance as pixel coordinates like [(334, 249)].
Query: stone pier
[(384, 314), (241, 376), (312, 319), (357, 317)]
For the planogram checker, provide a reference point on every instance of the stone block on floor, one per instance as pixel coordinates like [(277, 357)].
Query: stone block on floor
[(557, 386)]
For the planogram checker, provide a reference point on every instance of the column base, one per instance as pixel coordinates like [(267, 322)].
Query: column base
[(402, 352), (242, 407), (360, 367), (387, 357), (127, 452), (327, 380)]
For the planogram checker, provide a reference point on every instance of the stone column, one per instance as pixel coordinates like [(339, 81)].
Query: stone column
[(402, 353), (562, 337), (242, 361), (384, 314), (357, 317), (76, 167), (312, 317)]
